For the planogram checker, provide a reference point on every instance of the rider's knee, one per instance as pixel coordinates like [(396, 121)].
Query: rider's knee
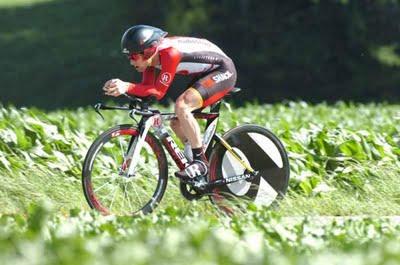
[(188, 101)]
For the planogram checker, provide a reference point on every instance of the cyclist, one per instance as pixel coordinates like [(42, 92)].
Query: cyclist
[(160, 58)]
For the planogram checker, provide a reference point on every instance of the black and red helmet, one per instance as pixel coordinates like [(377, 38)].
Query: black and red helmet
[(138, 38)]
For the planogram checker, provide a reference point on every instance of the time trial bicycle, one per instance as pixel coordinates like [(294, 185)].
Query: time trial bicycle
[(125, 171)]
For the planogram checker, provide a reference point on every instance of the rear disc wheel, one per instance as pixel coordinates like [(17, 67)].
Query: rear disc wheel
[(264, 152)]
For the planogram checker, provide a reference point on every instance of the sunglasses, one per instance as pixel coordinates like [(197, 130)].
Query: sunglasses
[(146, 54)]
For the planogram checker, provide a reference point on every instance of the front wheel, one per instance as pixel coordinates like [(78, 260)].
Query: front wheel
[(264, 152), (107, 186)]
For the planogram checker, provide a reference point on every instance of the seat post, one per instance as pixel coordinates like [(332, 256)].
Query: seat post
[(216, 106)]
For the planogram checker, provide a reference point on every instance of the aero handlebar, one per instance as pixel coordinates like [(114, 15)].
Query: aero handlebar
[(137, 106)]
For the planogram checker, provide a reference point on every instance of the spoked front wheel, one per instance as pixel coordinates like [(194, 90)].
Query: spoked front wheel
[(107, 185), (263, 151)]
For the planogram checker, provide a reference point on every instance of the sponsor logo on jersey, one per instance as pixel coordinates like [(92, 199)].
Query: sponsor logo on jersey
[(221, 77), (165, 78), (193, 40), (206, 58)]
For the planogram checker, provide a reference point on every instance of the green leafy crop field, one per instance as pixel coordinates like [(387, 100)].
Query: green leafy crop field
[(344, 162)]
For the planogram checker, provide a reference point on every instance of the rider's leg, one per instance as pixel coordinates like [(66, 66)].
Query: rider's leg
[(190, 100), (187, 150), (176, 127), (205, 91)]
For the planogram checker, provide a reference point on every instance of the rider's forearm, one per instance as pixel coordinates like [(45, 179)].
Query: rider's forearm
[(141, 90)]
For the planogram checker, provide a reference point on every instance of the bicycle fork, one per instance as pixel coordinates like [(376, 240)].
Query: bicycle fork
[(137, 145)]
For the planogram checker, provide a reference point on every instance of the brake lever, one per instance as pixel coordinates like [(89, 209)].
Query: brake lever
[(97, 108)]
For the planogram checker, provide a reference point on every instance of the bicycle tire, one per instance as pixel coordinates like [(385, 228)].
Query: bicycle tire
[(106, 140), (264, 152)]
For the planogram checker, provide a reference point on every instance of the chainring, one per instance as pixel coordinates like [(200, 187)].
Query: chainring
[(189, 192)]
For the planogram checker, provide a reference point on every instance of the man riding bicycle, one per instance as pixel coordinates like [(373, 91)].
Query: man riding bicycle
[(160, 58)]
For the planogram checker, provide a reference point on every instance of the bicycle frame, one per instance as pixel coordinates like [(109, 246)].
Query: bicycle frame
[(156, 121)]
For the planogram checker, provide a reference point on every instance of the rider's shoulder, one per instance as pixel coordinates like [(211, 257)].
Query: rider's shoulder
[(170, 52)]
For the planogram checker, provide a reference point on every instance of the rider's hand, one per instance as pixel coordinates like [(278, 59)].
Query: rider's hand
[(116, 87)]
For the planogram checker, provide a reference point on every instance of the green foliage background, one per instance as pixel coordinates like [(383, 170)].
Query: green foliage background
[(59, 52), (344, 161), (348, 151)]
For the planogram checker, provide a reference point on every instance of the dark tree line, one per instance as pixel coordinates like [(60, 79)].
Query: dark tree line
[(303, 49)]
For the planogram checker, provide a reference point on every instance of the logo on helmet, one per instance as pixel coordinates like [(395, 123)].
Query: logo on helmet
[(165, 78)]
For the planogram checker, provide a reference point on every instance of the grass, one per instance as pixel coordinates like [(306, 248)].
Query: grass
[(344, 158), (344, 162), (178, 236), (380, 197)]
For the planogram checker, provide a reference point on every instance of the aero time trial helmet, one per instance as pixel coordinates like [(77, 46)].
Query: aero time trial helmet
[(141, 39)]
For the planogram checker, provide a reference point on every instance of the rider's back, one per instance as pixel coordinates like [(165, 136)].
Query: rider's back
[(189, 45), (193, 55)]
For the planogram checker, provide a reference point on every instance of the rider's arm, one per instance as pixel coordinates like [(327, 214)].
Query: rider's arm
[(142, 89), (148, 76), (169, 59)]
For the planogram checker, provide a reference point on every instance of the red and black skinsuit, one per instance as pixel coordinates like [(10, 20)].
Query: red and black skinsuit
[(213, 71)]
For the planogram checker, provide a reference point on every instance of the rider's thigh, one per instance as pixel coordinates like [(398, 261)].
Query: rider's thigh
[(216, 84)]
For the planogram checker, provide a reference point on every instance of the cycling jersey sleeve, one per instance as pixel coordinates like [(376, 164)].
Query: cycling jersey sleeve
[(148, 76), (169, 59), (143, 89)]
